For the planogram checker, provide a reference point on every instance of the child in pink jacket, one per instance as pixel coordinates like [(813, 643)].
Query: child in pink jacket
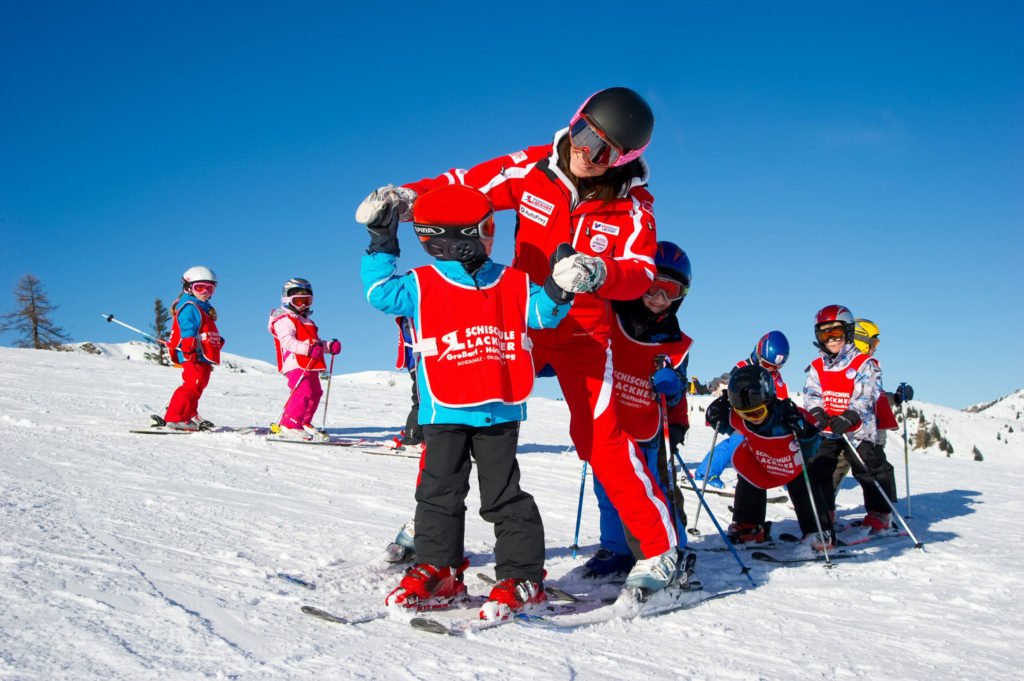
[(300, 357)]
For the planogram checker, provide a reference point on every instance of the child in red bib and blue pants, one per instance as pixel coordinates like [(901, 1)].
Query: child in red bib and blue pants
[(470, 322)]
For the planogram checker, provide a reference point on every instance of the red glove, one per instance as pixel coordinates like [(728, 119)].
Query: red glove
[(188, 348), (332, 347), (316, 350)]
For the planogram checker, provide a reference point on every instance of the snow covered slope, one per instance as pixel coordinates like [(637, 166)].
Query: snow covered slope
[(155, 557)]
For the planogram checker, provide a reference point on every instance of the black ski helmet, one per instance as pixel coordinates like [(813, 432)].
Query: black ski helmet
[(622, 115), (750, 386)]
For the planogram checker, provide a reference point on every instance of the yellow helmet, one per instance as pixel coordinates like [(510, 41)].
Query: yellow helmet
[(865, 335)]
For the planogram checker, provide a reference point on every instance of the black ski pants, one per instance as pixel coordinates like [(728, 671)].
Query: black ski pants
[(823, 467), (751, 502), (441, 496)]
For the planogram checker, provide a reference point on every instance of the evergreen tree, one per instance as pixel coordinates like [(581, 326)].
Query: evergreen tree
[(977, 454), (161, 322), (32, 320)]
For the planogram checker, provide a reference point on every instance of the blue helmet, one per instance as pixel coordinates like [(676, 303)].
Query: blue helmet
[(672, 261), (773, 349)]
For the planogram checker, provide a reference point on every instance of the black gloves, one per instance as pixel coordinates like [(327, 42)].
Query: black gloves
[(717, 414), (551, 287), (820, 418), (904, 393), (848, 420), (676, 434), (384, 235), (794, 419)]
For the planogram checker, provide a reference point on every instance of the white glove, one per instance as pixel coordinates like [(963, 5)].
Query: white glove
[(579, 273), (375, 210)]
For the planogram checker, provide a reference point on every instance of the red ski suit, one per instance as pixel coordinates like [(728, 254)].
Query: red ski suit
[(621, 232)]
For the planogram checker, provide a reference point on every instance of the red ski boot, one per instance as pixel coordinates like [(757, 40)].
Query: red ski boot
[(512, 595), (428, 587)]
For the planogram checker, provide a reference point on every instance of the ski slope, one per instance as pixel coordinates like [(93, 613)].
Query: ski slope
[(155, 557)]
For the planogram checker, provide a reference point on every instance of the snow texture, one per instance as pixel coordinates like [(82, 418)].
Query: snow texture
[(135, 557)]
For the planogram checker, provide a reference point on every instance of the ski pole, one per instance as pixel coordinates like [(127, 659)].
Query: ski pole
[(110, 318), (814, 506), (906, 456), (856, 455), (744, 569), (297, 384), (707, 474), (579, 512), (671, 464), (327, 397)]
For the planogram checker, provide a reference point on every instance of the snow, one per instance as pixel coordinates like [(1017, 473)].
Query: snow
[(129, 556)]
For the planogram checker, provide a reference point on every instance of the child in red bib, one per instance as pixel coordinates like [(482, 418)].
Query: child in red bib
[(778, 438), (195, 344), (470, 321)]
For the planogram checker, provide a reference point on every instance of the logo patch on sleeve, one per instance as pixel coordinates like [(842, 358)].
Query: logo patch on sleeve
[(538, 203), (517, 156), (533, 215), (606, 228)]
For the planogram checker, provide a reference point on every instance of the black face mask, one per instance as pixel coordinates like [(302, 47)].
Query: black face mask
[(459, 250)]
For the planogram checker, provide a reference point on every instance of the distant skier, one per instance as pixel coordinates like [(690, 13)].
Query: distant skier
[(650, 358), (778, 438), (470, 319), (195, 344), (866, 338), (300, 357), (771, 352), (842, 390)]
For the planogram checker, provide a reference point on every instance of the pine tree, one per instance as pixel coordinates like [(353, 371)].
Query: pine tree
[(161, 320), (977, 454), (32, 318)]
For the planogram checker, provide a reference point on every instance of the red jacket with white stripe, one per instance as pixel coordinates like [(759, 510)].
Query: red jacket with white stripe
[(621, 231)]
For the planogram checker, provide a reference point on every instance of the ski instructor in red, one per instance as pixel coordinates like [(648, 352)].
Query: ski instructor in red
[(587, 188)]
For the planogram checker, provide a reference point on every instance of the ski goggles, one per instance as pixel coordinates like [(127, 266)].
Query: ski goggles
[(204, 288), (830, 334), (480, 230), (300, 300), (768, 365), (671, 289), (754, 414), (600, 151)]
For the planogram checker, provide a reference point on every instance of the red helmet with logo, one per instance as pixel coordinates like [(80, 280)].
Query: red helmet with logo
[(827, 318)]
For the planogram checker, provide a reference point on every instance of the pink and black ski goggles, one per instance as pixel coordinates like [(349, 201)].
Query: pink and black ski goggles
[(600, 150)]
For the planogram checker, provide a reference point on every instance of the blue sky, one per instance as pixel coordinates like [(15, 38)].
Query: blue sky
[(805, 153)]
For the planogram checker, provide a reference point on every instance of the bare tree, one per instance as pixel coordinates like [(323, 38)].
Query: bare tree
[(32, 318), (161, 320)]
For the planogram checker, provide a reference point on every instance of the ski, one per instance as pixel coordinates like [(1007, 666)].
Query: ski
[(838, 554), (472, 624), (338, 619), (299, 581), (739, 547), (780, 499)]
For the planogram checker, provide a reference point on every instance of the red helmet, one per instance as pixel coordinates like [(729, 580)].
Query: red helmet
[(830, 314)]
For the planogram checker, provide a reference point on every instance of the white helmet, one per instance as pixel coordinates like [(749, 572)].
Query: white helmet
[(197, 273)]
